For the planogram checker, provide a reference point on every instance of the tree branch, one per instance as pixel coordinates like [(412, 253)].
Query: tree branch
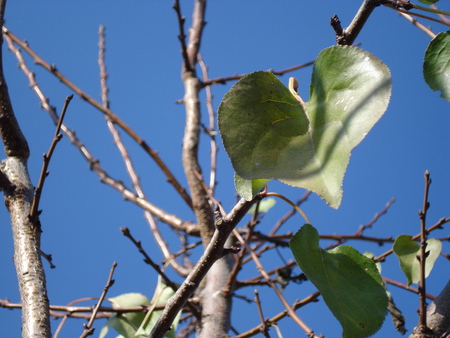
[(183, 271), (88, 329), (172, 220), (348, 35), (34, 213), (438, 313), (140, 141), (213, 252), (27, 259)]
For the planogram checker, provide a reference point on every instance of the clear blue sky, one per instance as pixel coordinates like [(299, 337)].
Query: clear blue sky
[(81, 217)]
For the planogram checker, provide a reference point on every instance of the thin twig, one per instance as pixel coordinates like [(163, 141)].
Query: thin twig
[(362, 228), (88, 329), (437, 225), (292, 314), (296, 207), (238, 263), (60, 310), (388, 280), (289, 214), (211, 130), (442, 22), (298, 304), (416, 23), (126, 232), (140, 141), (183, 271), (443, 17), (224, 80), (34, 213), (264, 327), (48, 257), (94, 164), (182, 35), (423, 254)]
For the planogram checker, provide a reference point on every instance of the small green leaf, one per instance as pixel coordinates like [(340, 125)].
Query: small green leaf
[(126, 324), (349, 282), (264, 206), (161, 296), (269, 135), (248, 189), (407, 252), (428, 2), (436, 66)]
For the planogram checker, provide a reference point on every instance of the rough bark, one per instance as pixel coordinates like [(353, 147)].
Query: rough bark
[(438, 314), (18, 193), (216, 306), (27, 259)]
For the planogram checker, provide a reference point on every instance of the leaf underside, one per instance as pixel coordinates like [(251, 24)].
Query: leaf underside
[(268, 134), (407, 251)]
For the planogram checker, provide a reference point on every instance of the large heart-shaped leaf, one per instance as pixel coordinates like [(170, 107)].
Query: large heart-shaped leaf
[(349, 282), (268, 134), (436, 67)]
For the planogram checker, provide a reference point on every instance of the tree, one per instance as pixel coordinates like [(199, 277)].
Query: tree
[(171, 205)]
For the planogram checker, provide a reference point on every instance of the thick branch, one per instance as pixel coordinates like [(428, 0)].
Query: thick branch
[(213, 252), (348, 35), (438, 314), (18, 199), (27, 259), (12, 137), (200, 200)]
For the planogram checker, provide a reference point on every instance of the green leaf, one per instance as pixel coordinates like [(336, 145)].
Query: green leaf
[(161, 296), (436, 66), (126, 324), (268, 134), (248, 189), (428, 2), (407, 251), (349, 282), (264, 206)]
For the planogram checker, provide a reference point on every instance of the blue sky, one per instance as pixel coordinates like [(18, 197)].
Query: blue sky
[(81, 217)]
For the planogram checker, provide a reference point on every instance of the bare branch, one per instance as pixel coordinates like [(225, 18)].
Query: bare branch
[(183, 271), (211, 130), (88, 329), (298, 304), (436, 226), (348, 35), (223, 80), (264, 328), (416, 23), (172, 220), (213, 252), (26, 235), (309, 332), (34, 213), (153, 154), (422, 325)]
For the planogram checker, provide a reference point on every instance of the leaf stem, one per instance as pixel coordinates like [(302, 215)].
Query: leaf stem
[(296, 207), (431, 10)]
